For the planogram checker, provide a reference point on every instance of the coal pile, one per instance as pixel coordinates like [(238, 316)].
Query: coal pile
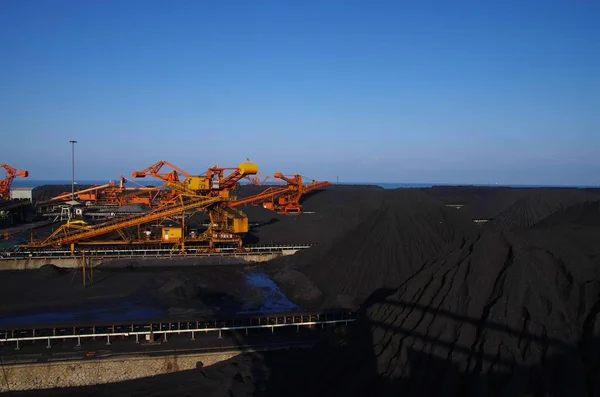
[(327, 214), (479, 202), (585, 214), (490, 205), (538, 205), (509, 313), (389, 246), (46, 192), (50, 271)]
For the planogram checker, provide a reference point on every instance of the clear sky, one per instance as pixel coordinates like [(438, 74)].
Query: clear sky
[(379, 91)]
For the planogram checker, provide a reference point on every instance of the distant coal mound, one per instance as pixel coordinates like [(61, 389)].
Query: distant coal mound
[(584, 214), (49, 271), (509, 313), (490, 205), (538, 205), (46, 192), (388, 246)]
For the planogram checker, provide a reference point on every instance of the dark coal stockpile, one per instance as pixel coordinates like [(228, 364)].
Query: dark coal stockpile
[(483, 202), (382, 239), (388, 246), (327, 213), (478, 202), (46, 192), (509, 313), (537, 205)]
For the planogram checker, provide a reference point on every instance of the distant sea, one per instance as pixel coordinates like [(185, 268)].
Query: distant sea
[(19, 182)]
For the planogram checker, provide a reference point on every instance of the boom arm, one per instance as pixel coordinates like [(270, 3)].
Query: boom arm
[(154, 171), (66, 234), (68, 195), (267, 194)]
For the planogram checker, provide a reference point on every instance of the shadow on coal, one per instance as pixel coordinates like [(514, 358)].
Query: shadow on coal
[(414, 364)]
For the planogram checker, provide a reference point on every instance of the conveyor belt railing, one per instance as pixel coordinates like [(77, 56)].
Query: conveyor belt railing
[(159, 328), (104, 252)]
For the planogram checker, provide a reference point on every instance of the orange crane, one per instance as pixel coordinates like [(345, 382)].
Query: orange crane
[(112, 194), (71, 233), (192, 194), (208, 193), (284, 199), (227, 222), (121, 195), (265, 196), (173, 180), (5, 184), (222, 184), (88, 194), (154, 171), (216, 182), (290, 201)]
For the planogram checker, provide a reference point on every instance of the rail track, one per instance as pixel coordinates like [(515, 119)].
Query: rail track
[(147, 252)]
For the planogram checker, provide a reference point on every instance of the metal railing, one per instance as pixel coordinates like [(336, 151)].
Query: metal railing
[(144, 252), (152, 330)]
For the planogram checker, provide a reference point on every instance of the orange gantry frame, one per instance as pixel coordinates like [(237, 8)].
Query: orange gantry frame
[(70, 234), (283, 199), (113, 194), (289, 201), (217, 181), (6, 183), (256, 180), (154, 171), (186, 195)]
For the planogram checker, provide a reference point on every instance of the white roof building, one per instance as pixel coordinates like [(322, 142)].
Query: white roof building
[(22, 193)]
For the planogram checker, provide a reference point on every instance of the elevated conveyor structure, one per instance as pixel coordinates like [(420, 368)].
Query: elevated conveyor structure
[(74, 233), (265, 196), (283, 199), (182, 195)]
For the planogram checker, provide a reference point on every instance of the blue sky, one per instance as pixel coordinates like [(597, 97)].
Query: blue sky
[(379, 91)]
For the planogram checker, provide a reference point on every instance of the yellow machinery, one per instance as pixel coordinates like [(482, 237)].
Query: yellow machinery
[(209, 193), (171, 233), (195, 193), (84, 235)]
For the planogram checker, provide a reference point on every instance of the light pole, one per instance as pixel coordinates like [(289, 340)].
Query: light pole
[(72, 169)]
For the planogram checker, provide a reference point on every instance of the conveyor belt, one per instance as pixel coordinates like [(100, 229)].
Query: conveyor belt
[(66, 235)]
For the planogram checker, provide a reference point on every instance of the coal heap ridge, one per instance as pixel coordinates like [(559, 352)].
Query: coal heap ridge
[(538, 205), (509, 313), (388, 246), (404, 231)]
